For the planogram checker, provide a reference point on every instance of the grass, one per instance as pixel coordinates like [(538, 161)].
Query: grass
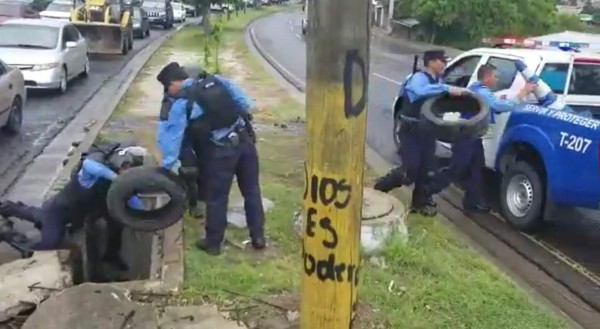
[(439, 281)]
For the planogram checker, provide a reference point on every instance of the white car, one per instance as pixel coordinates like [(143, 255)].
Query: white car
[(221, 7), (49, 53), (58, 10), (12, 99), (179, 14), (574, 77)]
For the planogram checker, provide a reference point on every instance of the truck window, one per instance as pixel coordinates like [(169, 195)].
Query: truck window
[(555, 75), (585, 80), (506, 71), (460, 73)]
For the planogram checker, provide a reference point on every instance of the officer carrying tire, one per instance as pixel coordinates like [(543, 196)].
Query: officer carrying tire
[(215, 112), (417, 141)]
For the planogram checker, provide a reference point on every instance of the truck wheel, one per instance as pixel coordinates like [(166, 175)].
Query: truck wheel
[(130, 42), (433, 110), (522, 197)]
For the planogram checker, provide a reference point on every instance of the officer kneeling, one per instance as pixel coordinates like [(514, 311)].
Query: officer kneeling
[(83, 195), (215, 114)]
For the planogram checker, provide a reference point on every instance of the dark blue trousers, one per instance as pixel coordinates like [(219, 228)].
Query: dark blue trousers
[(465, 169), (417, 153), (223, 163)]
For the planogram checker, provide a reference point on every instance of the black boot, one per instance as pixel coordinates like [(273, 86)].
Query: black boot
[(393, 179), (203, 245), (259, 244)]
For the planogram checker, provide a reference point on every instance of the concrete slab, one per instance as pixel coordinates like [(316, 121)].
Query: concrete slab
[(46, 272), (92, 306), (236, 216), (195, 317)]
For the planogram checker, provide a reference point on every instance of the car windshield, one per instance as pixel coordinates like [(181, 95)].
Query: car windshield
[(176, 6), (28, 36), (59, 6), (154, 5), (10, 9), (137, 15)]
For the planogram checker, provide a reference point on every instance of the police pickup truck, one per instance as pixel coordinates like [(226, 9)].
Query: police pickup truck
[(546, 158)]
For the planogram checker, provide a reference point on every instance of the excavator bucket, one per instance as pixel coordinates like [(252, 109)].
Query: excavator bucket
[(102, 38)]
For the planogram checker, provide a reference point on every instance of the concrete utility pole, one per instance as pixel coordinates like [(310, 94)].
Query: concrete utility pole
[(390, 15), (336, 102)]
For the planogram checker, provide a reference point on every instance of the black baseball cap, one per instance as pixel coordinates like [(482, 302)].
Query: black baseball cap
[(432, 55), (171, 72)]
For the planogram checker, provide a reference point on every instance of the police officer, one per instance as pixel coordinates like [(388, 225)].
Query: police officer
[(83, 195), (213, 109), (417, 146), (192, 168)]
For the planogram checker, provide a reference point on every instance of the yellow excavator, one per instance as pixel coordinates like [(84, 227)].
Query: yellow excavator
[(105, 24)]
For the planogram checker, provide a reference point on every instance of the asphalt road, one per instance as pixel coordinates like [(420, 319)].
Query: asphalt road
[(46, 114), (575, 232)]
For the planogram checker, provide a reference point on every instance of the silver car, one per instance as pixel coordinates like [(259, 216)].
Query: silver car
[(49, 53), (12, 98)]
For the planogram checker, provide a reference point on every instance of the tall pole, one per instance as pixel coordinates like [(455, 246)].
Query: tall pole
[(336, 102), (390, 15)]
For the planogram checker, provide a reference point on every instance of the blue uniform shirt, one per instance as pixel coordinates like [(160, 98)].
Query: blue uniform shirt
[(91, 171), (417, 86), (496, 105), (171, 131)]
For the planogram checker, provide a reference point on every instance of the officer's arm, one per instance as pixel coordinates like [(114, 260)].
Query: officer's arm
[(420, 86), (496, 104), (135, 203), (98, 169), (239, 96), (170, 133)]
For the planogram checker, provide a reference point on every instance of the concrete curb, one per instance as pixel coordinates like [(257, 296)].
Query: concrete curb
[(32, 187)]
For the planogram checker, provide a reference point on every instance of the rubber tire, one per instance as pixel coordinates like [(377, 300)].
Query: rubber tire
[(130, 43), (142, 179), (147, 34), (125, 47), (448, 131), (59, 90), (13, 127), (534, 219), (86, 71)]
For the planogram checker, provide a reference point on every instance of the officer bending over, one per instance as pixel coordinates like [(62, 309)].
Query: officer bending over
[(83, 195), (192, 166), (417, 144), (213, 109)]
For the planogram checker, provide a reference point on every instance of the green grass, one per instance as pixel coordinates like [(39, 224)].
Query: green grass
[(440, 283)]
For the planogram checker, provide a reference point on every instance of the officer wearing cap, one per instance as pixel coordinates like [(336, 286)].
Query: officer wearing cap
[(417, 150), (83, 195), (212, 109)]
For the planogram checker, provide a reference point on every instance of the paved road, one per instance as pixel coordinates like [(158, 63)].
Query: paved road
[(46, 114), (577, 233)]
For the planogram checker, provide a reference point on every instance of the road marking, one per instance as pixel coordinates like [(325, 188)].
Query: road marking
[(387, 79), (298, 36)]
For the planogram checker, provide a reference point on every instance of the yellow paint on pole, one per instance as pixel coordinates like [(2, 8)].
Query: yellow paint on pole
[(336, 98)]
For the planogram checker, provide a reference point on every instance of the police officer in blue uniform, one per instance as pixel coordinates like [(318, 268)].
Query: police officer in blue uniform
[(83, 195), (214, 109), (468, 158), (417, 146)]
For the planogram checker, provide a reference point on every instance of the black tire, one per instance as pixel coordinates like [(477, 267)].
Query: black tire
[(147, 33), (434, 108), (130, 43), (125, 47), (146, 179), (524, 213), (15, 118)]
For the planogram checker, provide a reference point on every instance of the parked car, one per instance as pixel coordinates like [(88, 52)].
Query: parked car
[(159, 13), (190, 10), (141, 24), (178, 12), (12, 98), (58, 10), (15, 9), (221, 7), (49, 53), (36, 5)]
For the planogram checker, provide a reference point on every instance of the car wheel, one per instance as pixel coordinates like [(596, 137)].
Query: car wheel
[(396, 132), (148, 33), (522, 196), (125, 47), (63, 83), (130, 43), (15, 119), (86, 67)]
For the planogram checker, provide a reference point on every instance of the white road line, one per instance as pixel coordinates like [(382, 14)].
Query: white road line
[(387, 79)]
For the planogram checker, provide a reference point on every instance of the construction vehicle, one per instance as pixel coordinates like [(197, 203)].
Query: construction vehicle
[(105, 24)]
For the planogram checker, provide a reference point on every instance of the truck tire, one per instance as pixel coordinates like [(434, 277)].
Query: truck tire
[(522, 194), (433, 110), (150, 180), (125, 46)]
